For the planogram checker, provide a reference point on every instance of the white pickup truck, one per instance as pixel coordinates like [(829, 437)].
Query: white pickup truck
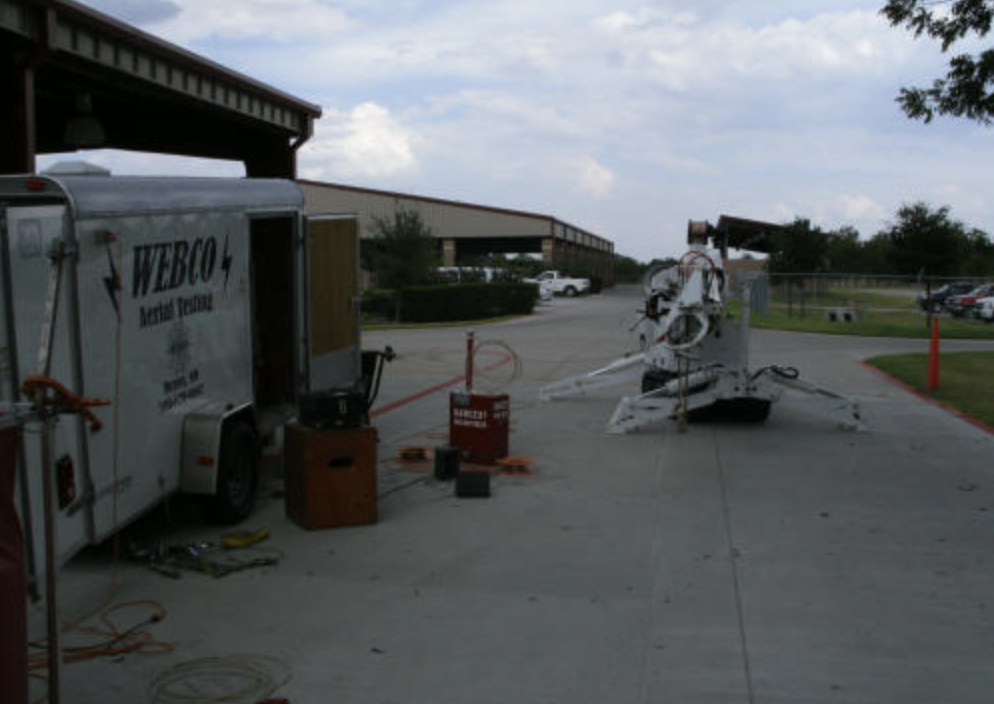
[(559, 283)]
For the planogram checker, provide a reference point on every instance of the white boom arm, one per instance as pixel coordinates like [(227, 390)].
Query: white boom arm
[(694, 359)]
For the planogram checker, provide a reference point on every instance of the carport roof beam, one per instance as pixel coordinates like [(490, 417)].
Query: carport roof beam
[(91, 40)]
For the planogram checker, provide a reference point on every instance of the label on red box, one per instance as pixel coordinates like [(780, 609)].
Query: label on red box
[(478, 426)]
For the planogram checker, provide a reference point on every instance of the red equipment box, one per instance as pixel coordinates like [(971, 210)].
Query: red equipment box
[(330, 476), (478, 426)]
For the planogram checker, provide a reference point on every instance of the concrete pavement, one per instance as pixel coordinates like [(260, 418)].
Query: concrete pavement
[(787, 562)]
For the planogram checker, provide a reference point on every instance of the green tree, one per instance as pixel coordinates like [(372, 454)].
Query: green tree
[(923, 240), (799, 247), (523, 266), (979, 257), (968, 88), (876, 256), (402, 251), (627, 269), (844, 251)]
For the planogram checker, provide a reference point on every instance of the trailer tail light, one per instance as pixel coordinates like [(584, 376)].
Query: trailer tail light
[(205, 461), (65, 479), (35, 185)]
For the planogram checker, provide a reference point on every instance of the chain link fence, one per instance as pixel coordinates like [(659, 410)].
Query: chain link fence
[(849, 297)]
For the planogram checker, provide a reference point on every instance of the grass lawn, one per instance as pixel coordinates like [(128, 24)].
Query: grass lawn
[(878, 314), (966, 379), (874, 324)]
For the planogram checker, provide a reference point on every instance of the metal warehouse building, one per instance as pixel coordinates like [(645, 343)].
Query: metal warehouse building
[(468, 231)]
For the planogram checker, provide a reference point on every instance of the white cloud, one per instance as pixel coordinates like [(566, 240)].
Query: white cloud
[(860, 207), (783, 212), (278, 20), (762, 109), (683, 56), (594, 178), (125, 163), (364, 142)]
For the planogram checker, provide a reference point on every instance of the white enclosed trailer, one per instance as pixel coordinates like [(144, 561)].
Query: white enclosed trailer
[(200, 308)]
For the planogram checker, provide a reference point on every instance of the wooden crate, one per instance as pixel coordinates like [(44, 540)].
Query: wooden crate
[(330, 476)]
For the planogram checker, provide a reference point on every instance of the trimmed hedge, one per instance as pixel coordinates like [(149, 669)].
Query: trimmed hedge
[(379, 302), (450, 302)]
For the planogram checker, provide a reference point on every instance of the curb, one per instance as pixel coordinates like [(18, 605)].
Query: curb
[(929, 399)]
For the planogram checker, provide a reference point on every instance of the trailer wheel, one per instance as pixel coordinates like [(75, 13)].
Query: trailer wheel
[(238, 474)]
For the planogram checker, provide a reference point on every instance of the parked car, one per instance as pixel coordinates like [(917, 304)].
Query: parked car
[(963, 305), (561, 283), (545, 290), (984, 309), (937, 301)]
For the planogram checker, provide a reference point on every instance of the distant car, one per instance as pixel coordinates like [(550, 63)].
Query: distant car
[(937, 301), (561, 284), (984, 309), (962, 305), (545, 290)]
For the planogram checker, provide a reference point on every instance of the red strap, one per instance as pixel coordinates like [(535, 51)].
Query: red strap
[(65, 400)]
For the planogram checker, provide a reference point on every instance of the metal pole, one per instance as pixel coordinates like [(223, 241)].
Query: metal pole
[(469, 361), (56, 256), (51, 585)]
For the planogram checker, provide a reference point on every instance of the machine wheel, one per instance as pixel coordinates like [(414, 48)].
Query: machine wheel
[(238, 474), (569, 291)]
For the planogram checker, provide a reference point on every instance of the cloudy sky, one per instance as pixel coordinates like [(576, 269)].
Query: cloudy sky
[(627, 118)]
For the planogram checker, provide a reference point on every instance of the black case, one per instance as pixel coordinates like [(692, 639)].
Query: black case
[(334, 408), (446, 463), (473, 484)]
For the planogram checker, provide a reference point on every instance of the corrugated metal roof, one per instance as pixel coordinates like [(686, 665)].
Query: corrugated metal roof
[(94, 196)]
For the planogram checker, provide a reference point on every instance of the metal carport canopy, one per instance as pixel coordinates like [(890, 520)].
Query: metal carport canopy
[(147, 94)]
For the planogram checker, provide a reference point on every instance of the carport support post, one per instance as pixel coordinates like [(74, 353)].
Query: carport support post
[(17, 120), (932, 383)]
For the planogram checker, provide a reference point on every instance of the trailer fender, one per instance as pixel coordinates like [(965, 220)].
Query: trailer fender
[(201, 449)]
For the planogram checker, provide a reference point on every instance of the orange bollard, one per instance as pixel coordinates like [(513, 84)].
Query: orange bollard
[(932, 382)]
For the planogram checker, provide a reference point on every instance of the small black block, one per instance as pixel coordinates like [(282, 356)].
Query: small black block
[(446, 463), (473, 484)]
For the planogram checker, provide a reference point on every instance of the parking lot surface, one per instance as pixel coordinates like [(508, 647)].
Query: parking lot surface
[(792, 561)]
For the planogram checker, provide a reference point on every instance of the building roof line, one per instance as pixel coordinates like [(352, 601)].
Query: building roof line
[(445, 201)]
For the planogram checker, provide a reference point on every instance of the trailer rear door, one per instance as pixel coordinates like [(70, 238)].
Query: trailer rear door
[(27, 236), (333, 301)]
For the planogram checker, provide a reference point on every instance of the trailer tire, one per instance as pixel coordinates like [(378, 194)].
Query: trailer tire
[(238, 474)]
